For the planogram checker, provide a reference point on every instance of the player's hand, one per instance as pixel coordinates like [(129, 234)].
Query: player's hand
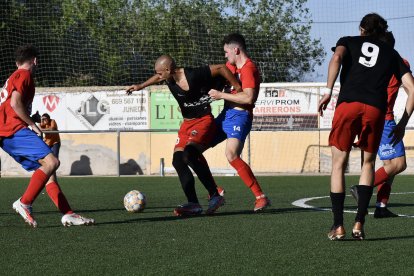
[(397, 134), (131, 89), (215, 94), (323, 103)]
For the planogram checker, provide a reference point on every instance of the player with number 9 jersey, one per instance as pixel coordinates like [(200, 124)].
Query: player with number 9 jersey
[(367, 69), (367, 62)]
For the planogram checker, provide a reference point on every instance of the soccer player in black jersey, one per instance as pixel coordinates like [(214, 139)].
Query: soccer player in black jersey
[(190, 87), (367, 66)]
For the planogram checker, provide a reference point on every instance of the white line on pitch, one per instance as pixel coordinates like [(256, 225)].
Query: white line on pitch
[(302, 204)]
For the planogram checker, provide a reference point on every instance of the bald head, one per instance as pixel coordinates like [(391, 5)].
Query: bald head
[(165, 62), (165, 67)]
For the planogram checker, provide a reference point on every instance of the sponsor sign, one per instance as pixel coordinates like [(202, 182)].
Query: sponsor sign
[(325, 122), (102, 110), (286, 108), (165, 112)]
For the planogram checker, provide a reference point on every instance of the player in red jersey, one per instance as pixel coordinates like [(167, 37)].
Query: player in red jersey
[(367, 66), (392, 155), (25, 145), (235, 121), (190, 87)]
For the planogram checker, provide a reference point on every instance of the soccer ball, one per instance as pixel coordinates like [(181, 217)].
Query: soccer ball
[(134, 201)]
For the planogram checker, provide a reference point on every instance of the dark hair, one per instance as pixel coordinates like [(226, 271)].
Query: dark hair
[(389, 39), (374, 25), (46, 115), (235, 38), (25, 53)]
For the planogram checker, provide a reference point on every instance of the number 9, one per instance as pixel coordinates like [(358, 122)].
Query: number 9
[(370, 52)]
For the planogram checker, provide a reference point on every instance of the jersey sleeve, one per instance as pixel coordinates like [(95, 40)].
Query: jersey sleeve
[(343, 41), (249, 77)]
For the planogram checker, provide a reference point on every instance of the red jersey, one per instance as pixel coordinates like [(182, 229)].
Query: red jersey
[(392, 90), (248, 76), (22, 82)]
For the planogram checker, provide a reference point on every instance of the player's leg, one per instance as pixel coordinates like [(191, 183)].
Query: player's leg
[(337, 192), (394, 160), (192, 207), (185, 175), (372, 122), (394, 167), (59, 199), (345, 125), (237, 126), (53, 189), (194, 158), (32, 153), (56, 195), (201, 132), (219, 137)]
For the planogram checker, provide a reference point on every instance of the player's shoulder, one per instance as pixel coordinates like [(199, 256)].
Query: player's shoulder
[(406, 63), (250, 65), (20, 74), (345, 39)]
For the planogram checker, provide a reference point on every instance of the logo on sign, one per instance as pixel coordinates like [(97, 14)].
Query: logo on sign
[(92, 110), (51, 102), (275, 93)]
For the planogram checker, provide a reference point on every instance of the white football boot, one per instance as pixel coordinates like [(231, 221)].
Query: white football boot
[(75, 219), (25, 211)]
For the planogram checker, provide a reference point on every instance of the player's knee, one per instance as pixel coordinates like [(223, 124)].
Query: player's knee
[(400, 167), (178, 160), (190, 154), (54, 163), (339, 166), (231, 155)]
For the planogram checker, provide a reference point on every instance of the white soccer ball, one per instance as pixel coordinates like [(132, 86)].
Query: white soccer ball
[(134, 201)]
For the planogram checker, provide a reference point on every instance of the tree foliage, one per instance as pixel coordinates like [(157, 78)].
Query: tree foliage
[(108, 42)]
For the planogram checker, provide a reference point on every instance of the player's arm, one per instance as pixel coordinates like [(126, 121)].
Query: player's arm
[(245, 96), (151, 81), (248, 96), (399, 131), (333, 72), (17, 104), (222, 70)]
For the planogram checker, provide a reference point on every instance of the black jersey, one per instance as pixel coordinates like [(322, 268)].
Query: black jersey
[(367, 68), (195, 102)]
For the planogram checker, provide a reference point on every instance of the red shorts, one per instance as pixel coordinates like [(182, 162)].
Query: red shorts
[(357, 120), (200, 131)]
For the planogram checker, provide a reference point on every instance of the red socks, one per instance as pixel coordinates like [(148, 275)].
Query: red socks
[(383, 193), (384, 189), (36, 184), (246, 174), (58, 198), (381, 176)]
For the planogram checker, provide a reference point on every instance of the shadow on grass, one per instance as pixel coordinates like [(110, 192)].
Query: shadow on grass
[(220, 214), (377, 239)]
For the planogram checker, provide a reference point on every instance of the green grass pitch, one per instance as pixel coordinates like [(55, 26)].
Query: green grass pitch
[(285, 240)]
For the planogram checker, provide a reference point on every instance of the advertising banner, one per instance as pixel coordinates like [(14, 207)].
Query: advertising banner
[(286, 108), (165, 112), (101, 110)]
